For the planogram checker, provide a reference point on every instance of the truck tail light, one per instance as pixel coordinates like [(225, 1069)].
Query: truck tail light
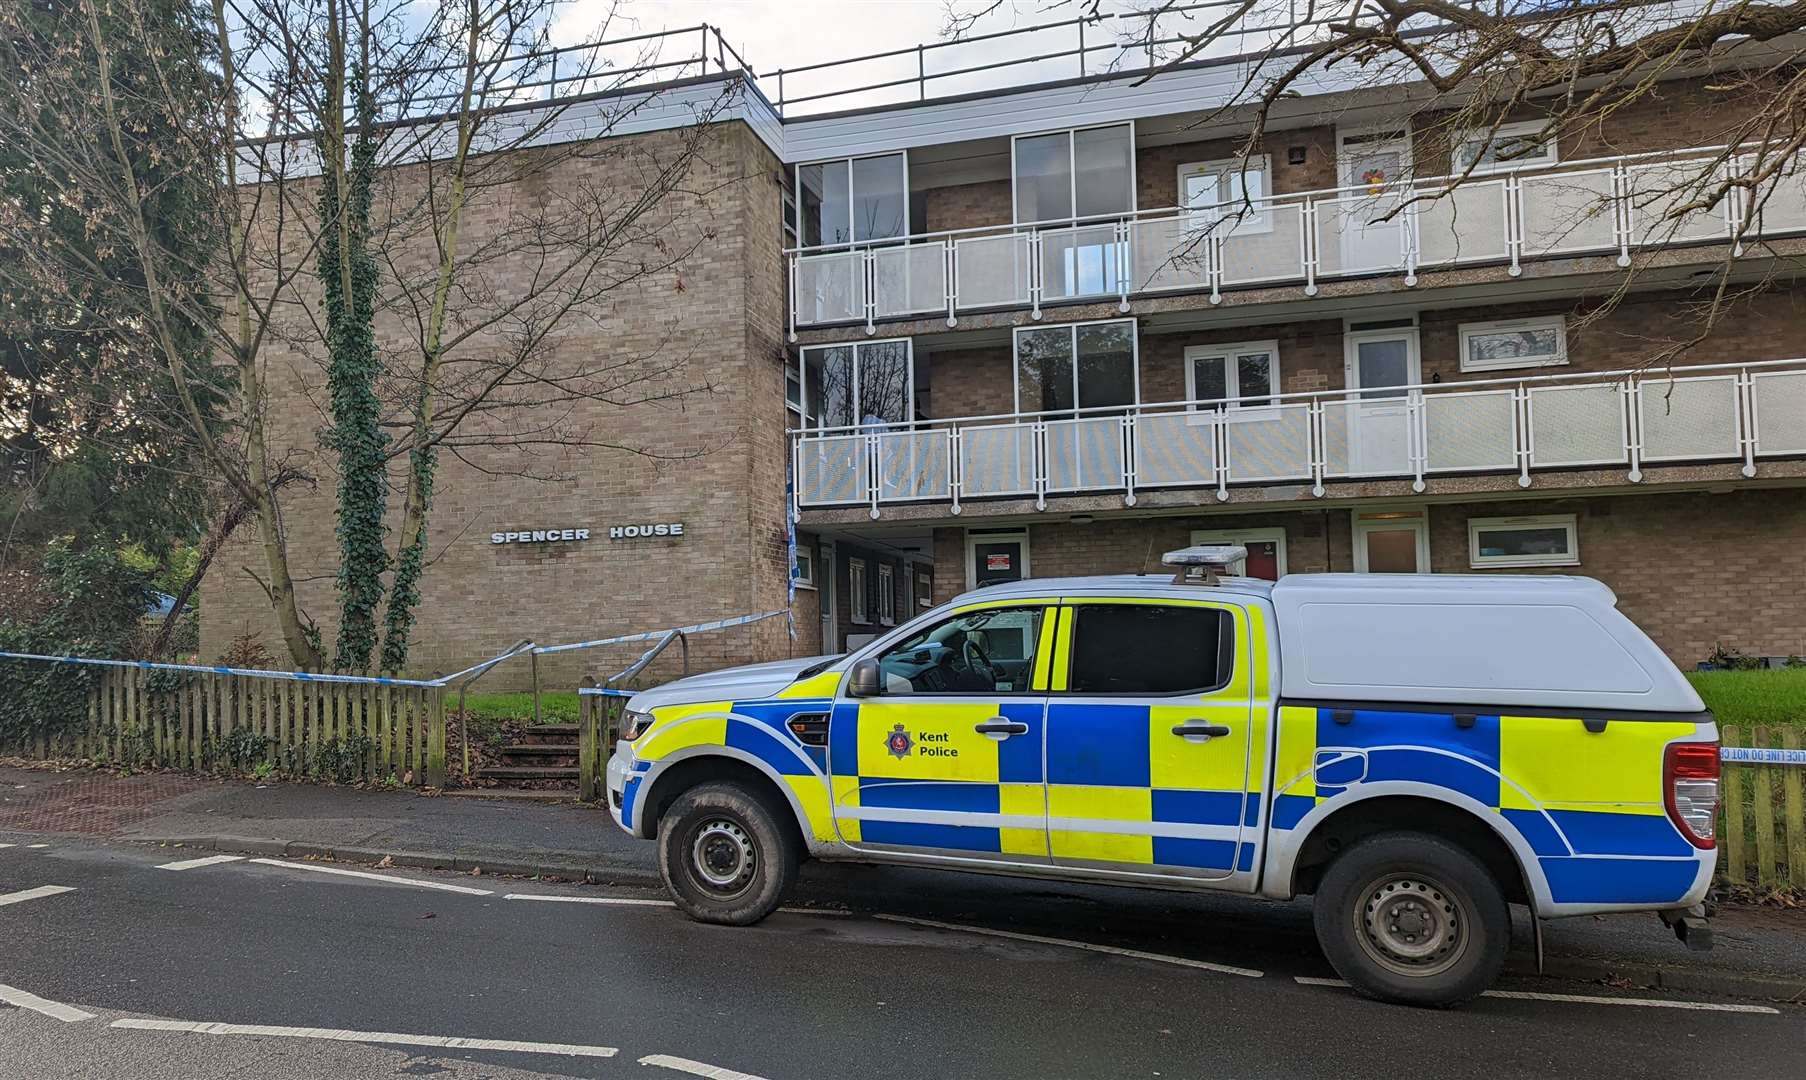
[(1690, 787)]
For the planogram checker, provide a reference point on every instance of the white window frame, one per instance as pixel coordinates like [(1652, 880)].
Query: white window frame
[(1351, 342), (1002, 536), (1475, 526), (1249, 221), (796, 176), (1551, 154), (813, 423), (1472, 330), (923, 590), (804, 567), (887, 594), (1072, 330), (1274, 536), (1227, 354), (1072, 183), (1420, 523), (858, 600)]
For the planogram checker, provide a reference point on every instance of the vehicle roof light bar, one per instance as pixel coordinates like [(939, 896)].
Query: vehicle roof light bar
[(1201, 564)]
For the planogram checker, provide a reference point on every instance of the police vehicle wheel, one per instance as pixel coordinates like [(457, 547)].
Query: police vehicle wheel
[(1411, 918), (725, 855)]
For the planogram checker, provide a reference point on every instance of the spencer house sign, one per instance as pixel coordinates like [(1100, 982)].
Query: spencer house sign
[(615, 532)]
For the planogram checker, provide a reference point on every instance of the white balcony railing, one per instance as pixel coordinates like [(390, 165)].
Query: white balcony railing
[(1610, 206), (1616, 420)]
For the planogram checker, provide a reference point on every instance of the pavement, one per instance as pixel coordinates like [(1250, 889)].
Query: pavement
[(123, 960), (1760, 952)]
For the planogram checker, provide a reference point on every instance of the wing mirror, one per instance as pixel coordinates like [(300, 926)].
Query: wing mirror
[(866, 679)]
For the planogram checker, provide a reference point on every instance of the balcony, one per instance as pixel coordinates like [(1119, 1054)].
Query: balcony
[(1605, 206), (1526, 426)]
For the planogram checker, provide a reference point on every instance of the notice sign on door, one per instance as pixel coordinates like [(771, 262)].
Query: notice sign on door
[(997, 562)]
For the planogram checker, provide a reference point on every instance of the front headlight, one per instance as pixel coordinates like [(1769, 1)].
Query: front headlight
[(634, 724)]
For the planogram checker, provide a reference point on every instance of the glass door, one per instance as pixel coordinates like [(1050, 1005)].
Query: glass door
[(1392, 541), (1380, 364)]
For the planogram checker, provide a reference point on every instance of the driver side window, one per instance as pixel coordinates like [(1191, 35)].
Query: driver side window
[(976, 652)]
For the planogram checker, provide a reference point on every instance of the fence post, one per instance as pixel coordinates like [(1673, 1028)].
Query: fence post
[(86, 744), (1766, 863), (435, 737), (1734, 840), (587, 739), (1795, 806)]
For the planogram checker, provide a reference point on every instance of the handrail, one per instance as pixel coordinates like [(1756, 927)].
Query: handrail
[(1346, 393), (1280, 199)]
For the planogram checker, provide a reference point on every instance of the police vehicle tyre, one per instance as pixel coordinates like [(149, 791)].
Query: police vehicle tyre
[(725, 855), (1411, 918)]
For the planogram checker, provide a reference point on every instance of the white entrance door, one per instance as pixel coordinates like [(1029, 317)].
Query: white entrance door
[(1379, 365), (1367, 232)]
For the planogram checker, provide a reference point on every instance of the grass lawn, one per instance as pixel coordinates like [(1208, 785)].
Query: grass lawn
[(554, 708), (1747, 698)]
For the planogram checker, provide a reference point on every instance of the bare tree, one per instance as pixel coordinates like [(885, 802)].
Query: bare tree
[(452, 116)]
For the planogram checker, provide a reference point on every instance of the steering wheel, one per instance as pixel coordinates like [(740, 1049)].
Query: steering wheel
[(976, 662)]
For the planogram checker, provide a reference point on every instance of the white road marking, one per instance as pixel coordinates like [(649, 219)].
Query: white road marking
[(1650, 1003), (318, 869), (33, 894), (633, 901), (8, 845), (695, 1068), (35, 846), (1086, 945), (56, 1010), (191, 864), (623, 901), (1589, 999), (391, 1038)]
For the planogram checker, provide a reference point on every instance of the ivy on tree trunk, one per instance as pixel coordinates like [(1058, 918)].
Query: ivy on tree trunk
[(348, 273)]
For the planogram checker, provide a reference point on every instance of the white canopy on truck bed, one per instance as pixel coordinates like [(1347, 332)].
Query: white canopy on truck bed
[(1469, 639)]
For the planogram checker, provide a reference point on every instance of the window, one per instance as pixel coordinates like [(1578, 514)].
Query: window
[(869, 384), (802, 571), (858, 600), (924, 591), (1230, 191), (1512, 146), (853, 199), (994, 556), (1150, 649), (887, 594), (1266, 550), (1085, 173), (1084, 365), (1544, 540), (1514, 343), (793, 392), (978, 652), (1242, 376), (1392, 542)]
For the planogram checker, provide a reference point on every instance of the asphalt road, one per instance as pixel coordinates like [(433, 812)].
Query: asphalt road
[(336, 975)]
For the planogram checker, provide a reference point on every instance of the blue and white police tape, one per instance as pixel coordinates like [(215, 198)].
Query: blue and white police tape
[(218, 669), (1760, 755), (648, 635), (604, 691)]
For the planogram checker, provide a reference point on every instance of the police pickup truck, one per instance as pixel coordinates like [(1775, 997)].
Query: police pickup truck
[(1415, 752)]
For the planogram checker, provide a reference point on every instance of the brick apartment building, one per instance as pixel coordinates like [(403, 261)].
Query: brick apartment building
[(1035, 329)]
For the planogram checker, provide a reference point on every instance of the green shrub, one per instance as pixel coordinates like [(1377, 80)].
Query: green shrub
[(91, 605), (1747, 698)]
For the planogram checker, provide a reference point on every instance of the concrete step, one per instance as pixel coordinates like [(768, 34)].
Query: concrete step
[(550, 734), (528, 772), (560, 795), (538, 750)]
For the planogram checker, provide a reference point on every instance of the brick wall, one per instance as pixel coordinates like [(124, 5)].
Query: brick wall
[(1692, 569), (715, 460)]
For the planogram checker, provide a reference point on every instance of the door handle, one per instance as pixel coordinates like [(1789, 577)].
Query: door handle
[(1200, 730), (999, 728)]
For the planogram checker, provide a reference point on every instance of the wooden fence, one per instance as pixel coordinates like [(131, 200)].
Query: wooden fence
[(1762, 823), (598, 729), (258, 726)]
